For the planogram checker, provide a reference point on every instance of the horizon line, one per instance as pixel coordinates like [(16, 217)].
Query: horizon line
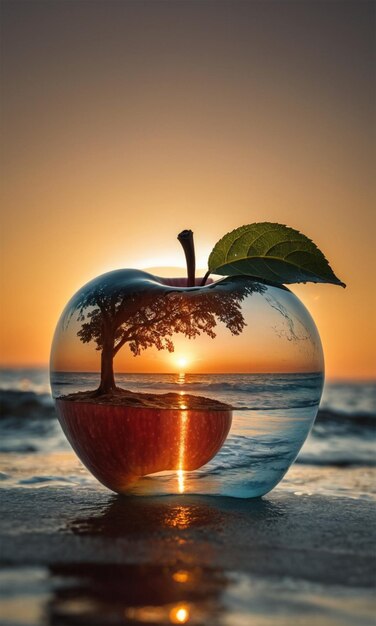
[(97, 371), (333, 377)]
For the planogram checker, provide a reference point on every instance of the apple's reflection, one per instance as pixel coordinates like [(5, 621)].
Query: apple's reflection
[(116, 594), (123, 517), (176, 586), (132, 515)]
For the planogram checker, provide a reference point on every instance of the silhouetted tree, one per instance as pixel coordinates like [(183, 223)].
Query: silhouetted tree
[(143, 319)]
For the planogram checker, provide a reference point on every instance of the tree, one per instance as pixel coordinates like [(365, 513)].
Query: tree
[(142, 319)]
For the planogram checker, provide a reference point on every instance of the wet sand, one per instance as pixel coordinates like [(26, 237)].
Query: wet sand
[(78, 554)]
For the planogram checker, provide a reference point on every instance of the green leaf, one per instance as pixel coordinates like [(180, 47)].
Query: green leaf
[(271, 252)]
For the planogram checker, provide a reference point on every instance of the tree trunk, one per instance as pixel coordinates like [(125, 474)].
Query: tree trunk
[(107, 384)]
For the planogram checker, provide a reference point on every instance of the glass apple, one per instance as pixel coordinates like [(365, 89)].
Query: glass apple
[(163, 388)]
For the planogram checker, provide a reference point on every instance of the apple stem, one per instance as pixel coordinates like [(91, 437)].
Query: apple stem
[(186, 240), (203, 282)]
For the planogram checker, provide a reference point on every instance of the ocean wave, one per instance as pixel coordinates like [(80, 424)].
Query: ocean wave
[(342, 462), (251, 388), (280, 407), (64, 383), (25, 404), (363, 419)]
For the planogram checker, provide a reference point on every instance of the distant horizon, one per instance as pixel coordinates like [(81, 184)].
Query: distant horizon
[(180, 373), (327, 378)]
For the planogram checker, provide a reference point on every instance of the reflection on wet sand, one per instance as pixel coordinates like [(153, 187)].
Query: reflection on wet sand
[(181, 592), (116, 594), (125, 516)]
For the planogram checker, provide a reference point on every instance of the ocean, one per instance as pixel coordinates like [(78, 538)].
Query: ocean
[(342, 436)]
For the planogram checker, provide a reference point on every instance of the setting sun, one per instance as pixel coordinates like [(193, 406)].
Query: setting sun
[(182, 361)]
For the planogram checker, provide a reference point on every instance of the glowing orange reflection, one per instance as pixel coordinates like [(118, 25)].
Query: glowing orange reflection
[(180, 474), (181, 576), (182, 443), (179, 614), (179, 517)]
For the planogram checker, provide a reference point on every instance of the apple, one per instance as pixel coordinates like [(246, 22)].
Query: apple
[(121, 435)]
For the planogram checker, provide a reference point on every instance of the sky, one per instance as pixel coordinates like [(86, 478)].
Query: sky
[(125, 122)]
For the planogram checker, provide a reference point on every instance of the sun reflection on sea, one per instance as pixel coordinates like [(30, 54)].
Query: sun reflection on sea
[(180, 378)]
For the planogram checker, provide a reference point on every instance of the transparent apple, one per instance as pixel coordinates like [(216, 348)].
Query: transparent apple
[(165, 389)]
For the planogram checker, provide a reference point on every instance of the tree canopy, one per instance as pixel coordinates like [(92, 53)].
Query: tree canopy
[(147, 318)]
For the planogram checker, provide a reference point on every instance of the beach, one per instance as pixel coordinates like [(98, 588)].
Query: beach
[(74, 553)]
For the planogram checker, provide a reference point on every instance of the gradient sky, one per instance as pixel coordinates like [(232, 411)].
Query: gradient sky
[(125, 122)]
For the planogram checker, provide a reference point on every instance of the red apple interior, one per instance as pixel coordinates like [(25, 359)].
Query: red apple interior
[(119, 444)]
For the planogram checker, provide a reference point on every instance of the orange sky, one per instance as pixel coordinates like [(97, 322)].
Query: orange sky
[(124, 123)]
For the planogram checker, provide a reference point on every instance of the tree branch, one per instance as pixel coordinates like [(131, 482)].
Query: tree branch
[(125, 339)]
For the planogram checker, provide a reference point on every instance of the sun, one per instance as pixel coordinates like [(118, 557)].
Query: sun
[(182, 361)]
